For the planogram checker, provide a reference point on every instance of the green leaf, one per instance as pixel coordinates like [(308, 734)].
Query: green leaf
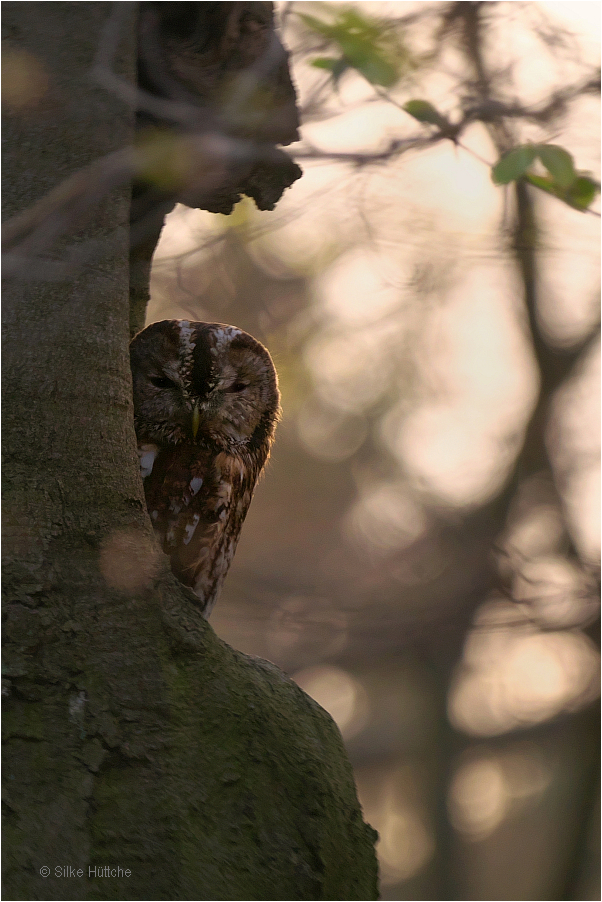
[(316, 24), (514, 164), (335, 66), (325, 62), (558, 162), (368, 60), (350, 23), (376, 69), (579, 195), (366, 45), (582, 192), (424, 111), (545, 182)]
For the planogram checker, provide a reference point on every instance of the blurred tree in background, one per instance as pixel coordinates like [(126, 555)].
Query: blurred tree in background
[(423, 555)]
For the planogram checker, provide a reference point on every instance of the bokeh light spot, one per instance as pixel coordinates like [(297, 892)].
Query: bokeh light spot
[(385, 517), (478, 798), (328, 433), (24, 80), (487, 787), (351, 369), (355, 289), (340, 694), (514, 675), (460, 443), (129, 561), (393, 802), (405, 844), (554, 589), (306, 627)]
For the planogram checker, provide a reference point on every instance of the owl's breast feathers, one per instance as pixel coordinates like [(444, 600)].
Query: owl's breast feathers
[(197, 501)]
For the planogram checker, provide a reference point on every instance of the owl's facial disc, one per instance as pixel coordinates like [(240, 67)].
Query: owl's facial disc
[(235, 406), (206, 383)]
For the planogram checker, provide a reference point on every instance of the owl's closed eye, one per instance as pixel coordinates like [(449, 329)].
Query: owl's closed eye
[(206, 403)]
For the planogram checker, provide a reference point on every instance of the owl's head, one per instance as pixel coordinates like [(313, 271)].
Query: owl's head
[(204, 383)]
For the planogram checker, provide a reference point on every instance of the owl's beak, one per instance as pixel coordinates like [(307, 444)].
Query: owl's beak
[(196, 419)]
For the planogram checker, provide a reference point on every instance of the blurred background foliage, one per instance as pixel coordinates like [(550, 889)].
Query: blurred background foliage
[(422, 556)]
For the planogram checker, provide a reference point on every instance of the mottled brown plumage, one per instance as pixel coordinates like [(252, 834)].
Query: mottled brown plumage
[(206, 403)]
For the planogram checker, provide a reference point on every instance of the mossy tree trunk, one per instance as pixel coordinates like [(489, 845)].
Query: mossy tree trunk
[(134, 738)]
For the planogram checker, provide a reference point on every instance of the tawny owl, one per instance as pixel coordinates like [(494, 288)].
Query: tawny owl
[(206, 403)]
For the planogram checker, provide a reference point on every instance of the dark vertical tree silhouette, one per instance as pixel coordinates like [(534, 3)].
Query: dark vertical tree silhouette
[(135, 741)]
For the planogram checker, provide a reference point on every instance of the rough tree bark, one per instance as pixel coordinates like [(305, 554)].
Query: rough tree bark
[(215, 97), (134, 737)]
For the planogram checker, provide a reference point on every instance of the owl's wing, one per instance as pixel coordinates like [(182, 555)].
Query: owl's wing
[(197, 502)]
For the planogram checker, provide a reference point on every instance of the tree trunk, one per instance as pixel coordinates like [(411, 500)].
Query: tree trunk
[(134, 738)]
